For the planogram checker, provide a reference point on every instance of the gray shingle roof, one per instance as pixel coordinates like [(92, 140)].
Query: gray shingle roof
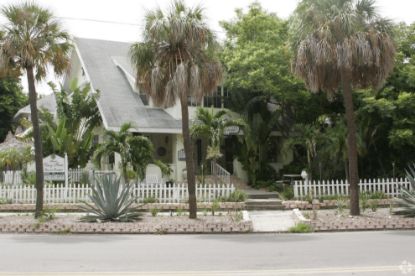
[(47, 102), (118, 103)]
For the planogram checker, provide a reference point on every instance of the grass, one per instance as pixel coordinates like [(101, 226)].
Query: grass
[(301, 227)]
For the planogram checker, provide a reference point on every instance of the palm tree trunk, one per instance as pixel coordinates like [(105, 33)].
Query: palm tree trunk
[(37, 141), (352, 144), (188, 149)]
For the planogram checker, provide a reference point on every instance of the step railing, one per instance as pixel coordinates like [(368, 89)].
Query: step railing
[(220, 174)]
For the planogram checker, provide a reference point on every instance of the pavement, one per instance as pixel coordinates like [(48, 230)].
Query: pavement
[(272, 221), (342, 253)]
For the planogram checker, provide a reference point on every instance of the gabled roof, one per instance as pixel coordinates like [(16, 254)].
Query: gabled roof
[(47, 102), (106, 64)]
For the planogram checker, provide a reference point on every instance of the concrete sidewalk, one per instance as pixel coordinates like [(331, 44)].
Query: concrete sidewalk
[(272, 221)]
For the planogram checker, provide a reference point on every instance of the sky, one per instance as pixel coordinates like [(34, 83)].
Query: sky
[(122, 20)]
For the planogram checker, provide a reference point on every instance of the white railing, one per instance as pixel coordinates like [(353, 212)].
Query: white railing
[(175, 193), (390, 187), (220, 173)]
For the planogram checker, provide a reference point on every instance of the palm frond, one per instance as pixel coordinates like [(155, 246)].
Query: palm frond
[(406, 201)]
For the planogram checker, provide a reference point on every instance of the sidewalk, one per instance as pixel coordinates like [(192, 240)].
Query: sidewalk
[(272, 221)]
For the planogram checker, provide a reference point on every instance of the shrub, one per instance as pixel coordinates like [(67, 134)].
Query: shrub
[(341, 204), (149, 199), (5, 200), (288, 193), (377, 195), (373, 203), (236, 196), (301, 227), (407, 197), (111, 200), (214, 207), (332, 197), (29, 178), (47, 215), (179, 212), (238, 216), (154, 212), (364, 204)]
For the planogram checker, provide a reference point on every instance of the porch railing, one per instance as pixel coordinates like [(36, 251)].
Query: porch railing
[(220, 173)]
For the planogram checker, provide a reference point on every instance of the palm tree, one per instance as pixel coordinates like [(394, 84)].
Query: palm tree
[(136, 151), (177, 60), (341, 45), (15, 159), (308, 136), (32, 40), (211, 125)]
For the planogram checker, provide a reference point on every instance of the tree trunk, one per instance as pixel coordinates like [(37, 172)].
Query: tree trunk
[(188, 149), (37, 141), (351, 145)]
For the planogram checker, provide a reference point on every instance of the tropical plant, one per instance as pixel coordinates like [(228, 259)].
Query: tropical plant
[(212, 124), (177, 60), (341, 45), (136, 151), (308, 136), (32, 40), (111, 201), (71, 131), (406, 201), (257, 140), (11, 100), (15, 159)]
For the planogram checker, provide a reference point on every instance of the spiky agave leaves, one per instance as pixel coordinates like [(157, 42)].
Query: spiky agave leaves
[(407, 197), (111, 201)]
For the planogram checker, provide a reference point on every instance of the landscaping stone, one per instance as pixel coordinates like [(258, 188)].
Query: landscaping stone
[(148, 224), (331, 220), (327, 204), (67, 207)]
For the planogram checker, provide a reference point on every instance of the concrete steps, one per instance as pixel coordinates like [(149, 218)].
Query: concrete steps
[(264, 204)]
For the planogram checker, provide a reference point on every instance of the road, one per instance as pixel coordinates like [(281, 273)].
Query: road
[(352, 253)]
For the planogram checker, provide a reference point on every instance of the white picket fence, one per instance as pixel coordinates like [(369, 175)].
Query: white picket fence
[(389, 186), (11, 177), (74, 176), (163, 193)]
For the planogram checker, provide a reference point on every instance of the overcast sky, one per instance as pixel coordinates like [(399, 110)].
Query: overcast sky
[(121, 20)]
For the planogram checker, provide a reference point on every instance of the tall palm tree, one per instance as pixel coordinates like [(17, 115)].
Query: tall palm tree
[(32, 40), (341, 45), (136, 151), (177, 60)]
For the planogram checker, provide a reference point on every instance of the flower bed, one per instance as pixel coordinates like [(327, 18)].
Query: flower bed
[(66, 207), (382, 219), (328, 204), (148, 224)]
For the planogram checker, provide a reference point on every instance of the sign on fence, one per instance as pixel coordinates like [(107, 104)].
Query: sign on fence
[(54, 164), (55, 168)]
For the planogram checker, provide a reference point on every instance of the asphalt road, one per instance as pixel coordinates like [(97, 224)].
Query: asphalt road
[(352, 253)]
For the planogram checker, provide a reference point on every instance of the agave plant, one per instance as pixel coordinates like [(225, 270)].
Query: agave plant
[(111, 201), (407, 197)]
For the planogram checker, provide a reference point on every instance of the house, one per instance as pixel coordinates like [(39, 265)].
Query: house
[(106, 66)]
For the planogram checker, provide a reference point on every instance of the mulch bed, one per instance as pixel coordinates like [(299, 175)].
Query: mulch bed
[(160, 225), (382, 219)]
